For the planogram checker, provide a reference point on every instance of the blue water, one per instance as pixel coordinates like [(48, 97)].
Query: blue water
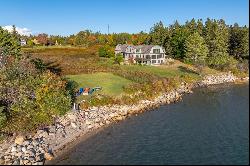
[(210, 126)]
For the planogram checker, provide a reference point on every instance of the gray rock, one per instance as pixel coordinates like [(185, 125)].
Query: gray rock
[(38, 163), (25, 162), (30, 147), (19, 154), (52, 134), (73, 125), (24, 149), (40, 157), (16, 162), (13, 149), (26, 142)]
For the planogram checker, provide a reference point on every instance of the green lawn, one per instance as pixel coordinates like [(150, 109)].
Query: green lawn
[(163, 71), (111, 84)]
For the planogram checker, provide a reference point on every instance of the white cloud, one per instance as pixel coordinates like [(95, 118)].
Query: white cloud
[(21, 31)]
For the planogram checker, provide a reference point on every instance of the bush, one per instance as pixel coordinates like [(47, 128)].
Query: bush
[(106, 51), (219, 62), (31, 99), (101, 100), (118, 59)]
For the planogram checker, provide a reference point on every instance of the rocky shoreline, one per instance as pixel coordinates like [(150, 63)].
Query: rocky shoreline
[(47, 143)]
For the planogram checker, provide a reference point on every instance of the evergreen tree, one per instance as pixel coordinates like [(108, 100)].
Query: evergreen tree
[(178, 38), (9, 44), (238, 42), (14, 32), (196, 48), (157, 34), (160, 35), (216, 37), (191, 26), (200, 27)]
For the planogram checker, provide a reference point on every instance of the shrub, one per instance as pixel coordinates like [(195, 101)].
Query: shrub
[(100, 100), (106, 51), (118, 59), (31, 99)]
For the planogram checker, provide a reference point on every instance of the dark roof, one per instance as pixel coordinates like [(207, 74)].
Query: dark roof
[(145, 49)]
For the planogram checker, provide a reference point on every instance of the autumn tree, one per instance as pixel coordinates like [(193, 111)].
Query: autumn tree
[(106, 51), (42, 38), (82, 38)]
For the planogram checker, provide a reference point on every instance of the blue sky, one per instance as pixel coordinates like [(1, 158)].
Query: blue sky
[(64, 17)]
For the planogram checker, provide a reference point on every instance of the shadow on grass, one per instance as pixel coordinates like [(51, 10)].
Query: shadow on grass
[(52, 66), (187, 70)]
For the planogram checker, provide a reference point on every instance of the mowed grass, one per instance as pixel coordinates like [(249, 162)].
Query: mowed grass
[(175, 69), (166, 71), (111, 84)]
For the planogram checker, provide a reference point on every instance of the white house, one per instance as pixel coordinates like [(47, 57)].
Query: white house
[(144, 54), (23, 42)]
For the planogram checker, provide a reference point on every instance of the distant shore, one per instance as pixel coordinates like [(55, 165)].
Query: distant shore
[(77, 126)]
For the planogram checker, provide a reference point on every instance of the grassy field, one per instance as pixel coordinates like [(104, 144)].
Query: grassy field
[(84, 66), (169, 71), (71, 60), (111, 84)]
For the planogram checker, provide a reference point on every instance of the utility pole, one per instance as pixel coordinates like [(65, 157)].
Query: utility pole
[(108, 28)]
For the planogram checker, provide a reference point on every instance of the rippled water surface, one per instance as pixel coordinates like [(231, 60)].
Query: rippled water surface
[(210, 126)]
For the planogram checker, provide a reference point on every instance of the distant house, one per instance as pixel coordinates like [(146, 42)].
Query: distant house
[(144, 54), (23, 42), (35, 41)]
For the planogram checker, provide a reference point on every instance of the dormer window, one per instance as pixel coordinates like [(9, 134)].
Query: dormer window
[(155, 51)]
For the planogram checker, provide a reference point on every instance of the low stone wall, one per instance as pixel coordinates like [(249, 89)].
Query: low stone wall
[(46, 143)]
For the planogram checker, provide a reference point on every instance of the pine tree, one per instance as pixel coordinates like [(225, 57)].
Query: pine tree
[(200, 27), (9, 44), (216, 37), (238, 41), (196, 48), (160, 35), (191, 26), (178, 38)]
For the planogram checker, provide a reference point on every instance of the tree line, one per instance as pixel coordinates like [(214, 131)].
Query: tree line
[(219, 38), (212, 42)]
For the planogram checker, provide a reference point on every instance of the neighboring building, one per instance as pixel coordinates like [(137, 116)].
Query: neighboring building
[(35, 41), (23, 42), (144, 54)]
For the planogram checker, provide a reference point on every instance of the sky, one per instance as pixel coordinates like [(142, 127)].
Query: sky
[(65, 17)]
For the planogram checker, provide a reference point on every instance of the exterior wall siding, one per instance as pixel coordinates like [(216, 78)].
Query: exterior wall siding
[(154, 56)]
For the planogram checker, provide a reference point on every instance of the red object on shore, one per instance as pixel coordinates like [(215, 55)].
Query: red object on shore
[(86, 90)]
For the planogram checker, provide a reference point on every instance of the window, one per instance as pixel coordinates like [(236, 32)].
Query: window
[(153, 56), (137, 50), (153, 61), (147, 56), (156, 50), (159, 61), (158, 56)]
